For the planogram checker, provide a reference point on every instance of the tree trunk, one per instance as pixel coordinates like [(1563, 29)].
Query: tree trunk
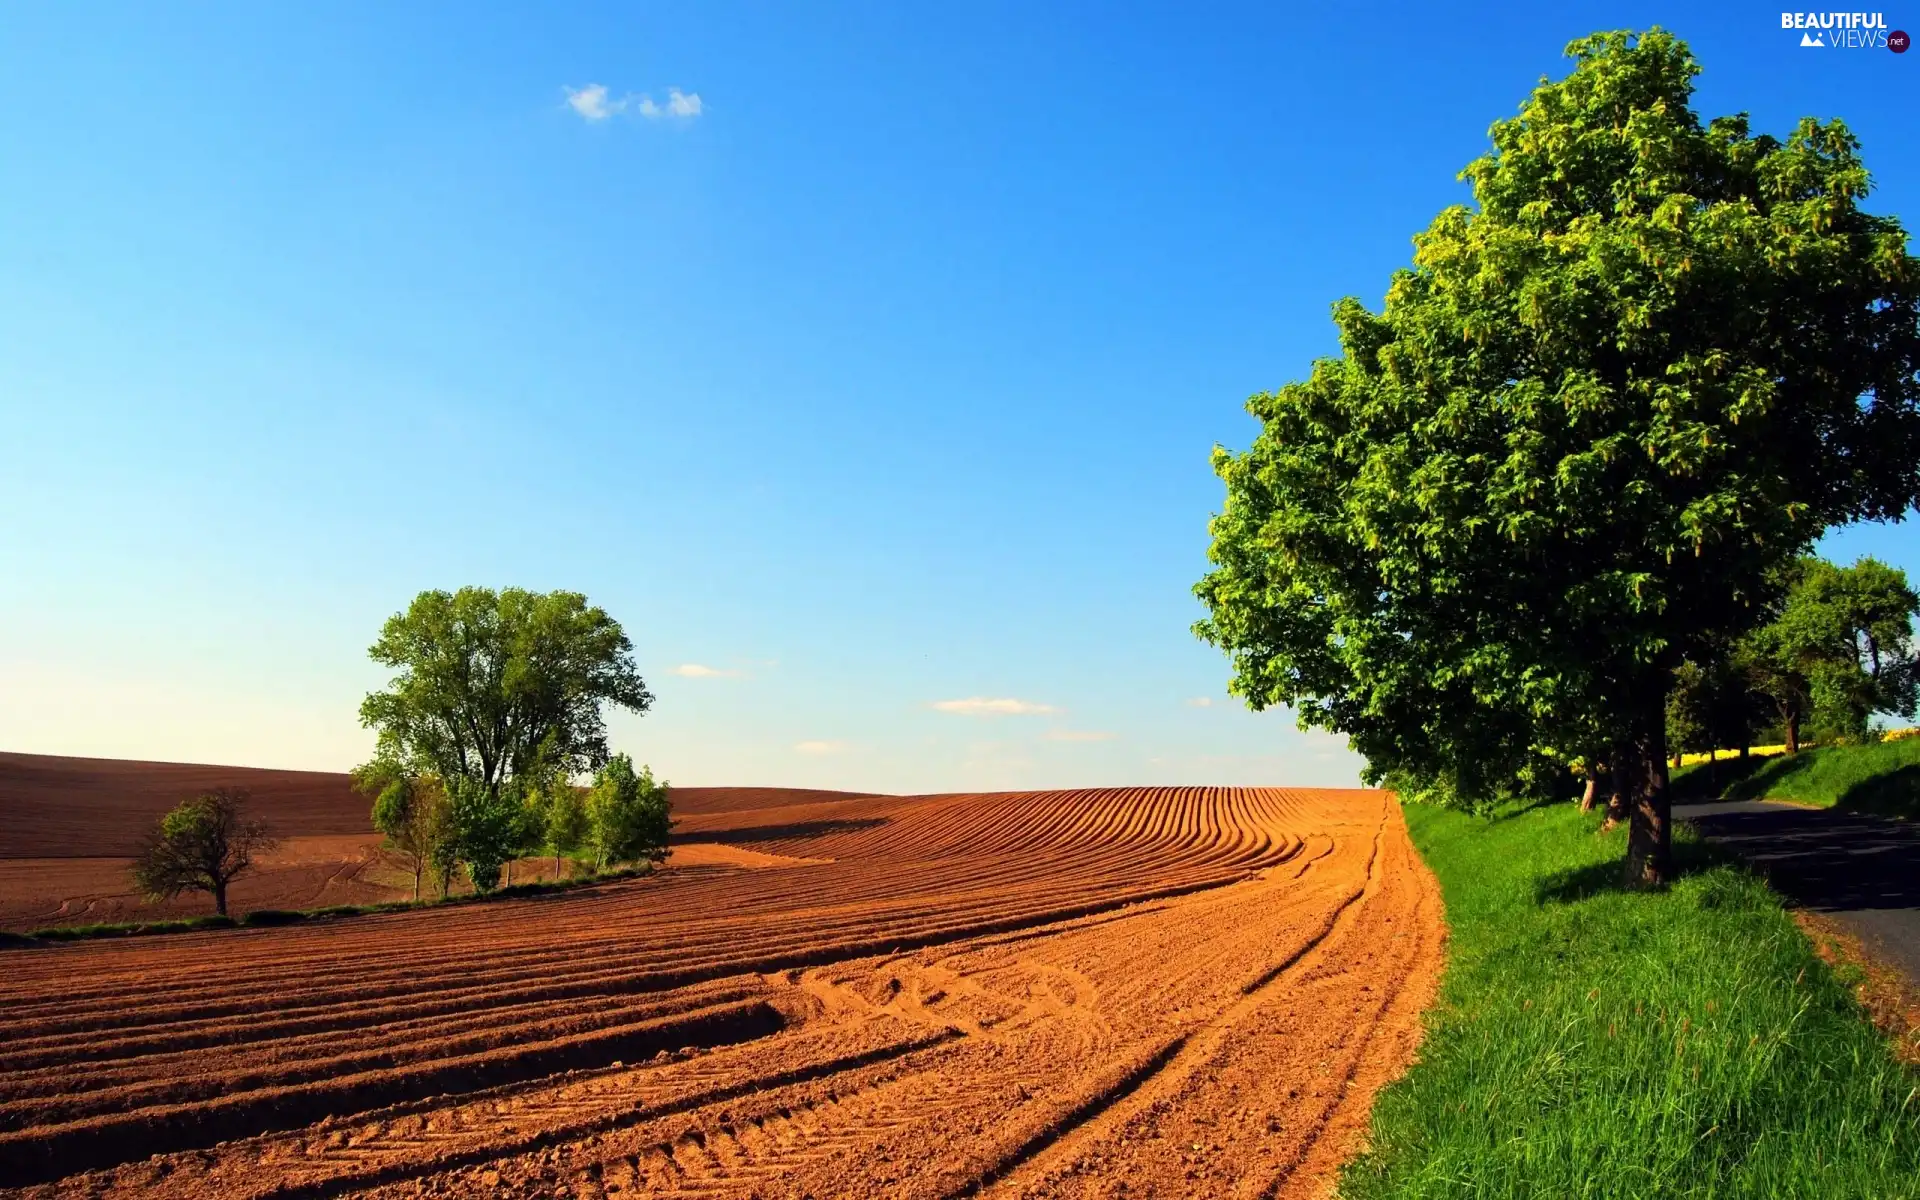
[(219, 890), (1793, 734), (1744, 750), (1586, 797), (1713, 771), (1616, 788), (419, 867), (1649, 861), (556, 868)]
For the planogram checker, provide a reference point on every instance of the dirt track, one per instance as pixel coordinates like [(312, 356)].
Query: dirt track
[(1171, 992)]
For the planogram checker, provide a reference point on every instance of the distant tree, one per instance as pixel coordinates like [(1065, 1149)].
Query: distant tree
[(1871, 608), (414, 814), (500, 692), (565, 827), (1711, 707), (1839, 648), (203, 845), (1658, 356), (628, 815), (445, 858), (1689, 710)]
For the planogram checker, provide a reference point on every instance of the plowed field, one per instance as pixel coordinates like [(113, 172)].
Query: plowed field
[(1142, 992), (69, 824)]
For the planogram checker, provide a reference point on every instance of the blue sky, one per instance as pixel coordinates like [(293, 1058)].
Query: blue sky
[(886, 378)]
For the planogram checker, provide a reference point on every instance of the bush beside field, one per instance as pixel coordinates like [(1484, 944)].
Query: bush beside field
[(1593, 1042)]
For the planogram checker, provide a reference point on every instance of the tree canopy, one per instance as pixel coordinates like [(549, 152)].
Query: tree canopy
[(1839, 648), (628, 815), (414, 814), (203, 844), (500, 686), (1655, 360)]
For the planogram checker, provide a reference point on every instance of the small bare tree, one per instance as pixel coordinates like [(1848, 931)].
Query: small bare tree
[(201, 846)]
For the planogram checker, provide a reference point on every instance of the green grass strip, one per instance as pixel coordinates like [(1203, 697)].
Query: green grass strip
[(1590, 1042), (1879, 777)]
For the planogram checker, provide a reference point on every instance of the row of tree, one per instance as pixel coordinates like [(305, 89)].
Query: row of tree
[(446, 826), (1839, 649), (1583, 444)]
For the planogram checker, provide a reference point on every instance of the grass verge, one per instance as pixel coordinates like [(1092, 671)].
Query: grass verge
[(263, 917), (1592, 1042), (1879, 777)]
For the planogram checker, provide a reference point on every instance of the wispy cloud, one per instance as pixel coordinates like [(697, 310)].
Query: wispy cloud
[(1200, 702), (697, 671), (1079, 735), (819, 747), (982, 706), (595, 103)]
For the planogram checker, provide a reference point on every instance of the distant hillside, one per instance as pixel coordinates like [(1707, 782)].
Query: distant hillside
[(58, 807), (739, 799)]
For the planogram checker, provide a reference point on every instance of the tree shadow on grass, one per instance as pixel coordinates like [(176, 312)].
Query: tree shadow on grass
[(1519, 808), (1690, 856), (1894, 793), (1730, 778)]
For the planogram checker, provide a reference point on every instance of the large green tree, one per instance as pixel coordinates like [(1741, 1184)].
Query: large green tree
[(499, 688), (1656, 358)]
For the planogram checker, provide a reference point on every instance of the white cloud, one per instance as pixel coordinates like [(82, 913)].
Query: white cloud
[(818, 748), (593, 103), (1200, 702), (696, 671), (596, 103), (1079, 735), (981, 706)]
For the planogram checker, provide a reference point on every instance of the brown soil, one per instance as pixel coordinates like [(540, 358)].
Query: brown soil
[(1140, 992), (98, 807), (71, 822), (302, 872)]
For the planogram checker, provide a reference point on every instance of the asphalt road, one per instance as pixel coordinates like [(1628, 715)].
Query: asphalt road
[(1862, 870)]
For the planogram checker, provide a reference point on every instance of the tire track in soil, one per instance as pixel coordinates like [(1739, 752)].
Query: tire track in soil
[(1163, 1073), (1132, 991)]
